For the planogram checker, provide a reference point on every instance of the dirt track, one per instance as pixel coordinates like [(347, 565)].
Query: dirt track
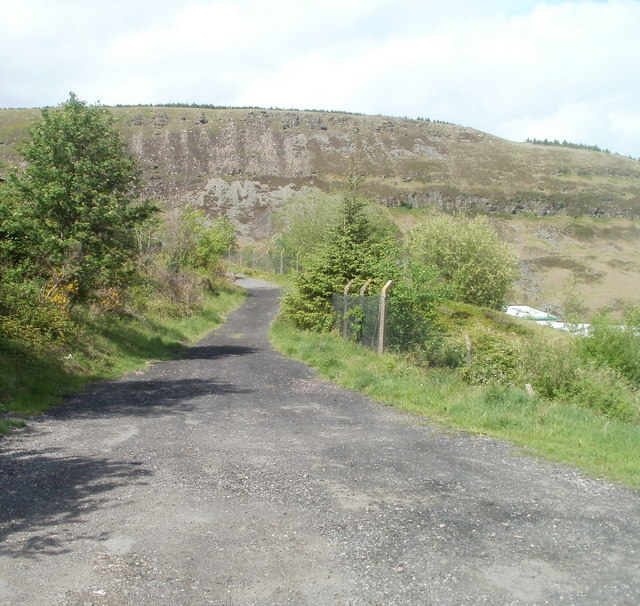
[(234, 477)]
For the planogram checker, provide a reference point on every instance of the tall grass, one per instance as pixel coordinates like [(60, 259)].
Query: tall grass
[(562, 432)]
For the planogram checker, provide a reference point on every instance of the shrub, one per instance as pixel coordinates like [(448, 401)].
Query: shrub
[(615, 344), (468, 253), (29, 316), (71, 212), (495, 358)]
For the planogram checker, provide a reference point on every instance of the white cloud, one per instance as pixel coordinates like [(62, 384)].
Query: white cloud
[(553, 67)]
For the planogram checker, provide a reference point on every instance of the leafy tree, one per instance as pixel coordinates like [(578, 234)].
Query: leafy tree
[(302, 222), (190, 242), (479, 267), (73, 208), (356, 247)]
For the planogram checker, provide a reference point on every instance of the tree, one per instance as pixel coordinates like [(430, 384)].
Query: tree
[(356, 247), (302, 222), (191, 242), (74, 207), (468, 253)]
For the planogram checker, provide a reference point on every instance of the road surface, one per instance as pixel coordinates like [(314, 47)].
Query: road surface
[(233, 476)]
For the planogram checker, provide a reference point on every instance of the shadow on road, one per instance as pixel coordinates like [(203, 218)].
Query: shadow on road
[(143, 397), (45, 494), (48, 494), (215, 352)]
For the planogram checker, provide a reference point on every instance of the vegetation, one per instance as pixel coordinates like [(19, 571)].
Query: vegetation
[(566, 143), (93, 281), (72, 211), (479, 267), (461, 360), (561, 431), (354, 248)]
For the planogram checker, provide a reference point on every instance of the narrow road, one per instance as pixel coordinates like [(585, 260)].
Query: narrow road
[(233, 476)]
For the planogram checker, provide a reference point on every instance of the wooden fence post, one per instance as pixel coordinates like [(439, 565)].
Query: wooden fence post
[(364, 288), (382, 315)]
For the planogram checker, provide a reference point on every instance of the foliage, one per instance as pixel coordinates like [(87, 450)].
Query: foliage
[(30, 317), (615, 343), (513, 353), (566, 143), (469, 255), (187, 260), (562, 431), (413, 322), (70, 215), (189, 241), (356, 248), (302, 223)]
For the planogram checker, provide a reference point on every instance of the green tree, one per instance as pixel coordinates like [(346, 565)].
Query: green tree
[(74, 208), (355, 248), (302, 222), (468, 253), (190, 242)]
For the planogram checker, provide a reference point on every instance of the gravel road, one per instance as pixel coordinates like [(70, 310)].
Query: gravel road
[(233, 476)]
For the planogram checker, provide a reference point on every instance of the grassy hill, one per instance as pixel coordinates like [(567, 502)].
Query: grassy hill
[(571, 212)]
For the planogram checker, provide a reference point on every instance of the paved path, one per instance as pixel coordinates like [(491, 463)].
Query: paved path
[(234, 477)]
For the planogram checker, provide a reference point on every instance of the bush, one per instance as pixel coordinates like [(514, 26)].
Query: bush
[(510, 353), (615, 344), (495, 358), (70, 214), (29, 316), (468, 253)]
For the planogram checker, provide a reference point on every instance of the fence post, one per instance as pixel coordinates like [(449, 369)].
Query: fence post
[(364, 288), (382, 315), (281, 262), (345, 309)]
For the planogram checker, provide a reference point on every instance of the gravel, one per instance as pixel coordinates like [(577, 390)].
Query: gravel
[(234, 476)]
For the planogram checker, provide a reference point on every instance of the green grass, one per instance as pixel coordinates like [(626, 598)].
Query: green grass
[(560, 432), (111, 346)]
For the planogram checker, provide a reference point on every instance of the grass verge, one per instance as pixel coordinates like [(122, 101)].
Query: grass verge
[(601, 447), (110, 346)]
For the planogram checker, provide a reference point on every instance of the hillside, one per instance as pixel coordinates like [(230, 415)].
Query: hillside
[(243, 162)]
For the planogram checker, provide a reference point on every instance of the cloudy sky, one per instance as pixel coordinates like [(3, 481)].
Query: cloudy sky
[(513, 68)]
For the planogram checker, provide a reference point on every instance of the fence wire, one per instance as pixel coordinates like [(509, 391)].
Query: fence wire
[(359, 319)]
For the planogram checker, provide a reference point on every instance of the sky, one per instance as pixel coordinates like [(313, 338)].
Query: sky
[(517, 69)]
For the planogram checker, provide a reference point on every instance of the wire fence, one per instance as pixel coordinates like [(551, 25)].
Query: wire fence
[(379, 322), (375, 321), (267, 260)]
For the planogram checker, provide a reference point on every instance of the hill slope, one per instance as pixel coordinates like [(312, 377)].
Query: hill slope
[(243, 162)]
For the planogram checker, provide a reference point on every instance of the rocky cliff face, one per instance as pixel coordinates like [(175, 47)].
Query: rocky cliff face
[(244, 162)]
